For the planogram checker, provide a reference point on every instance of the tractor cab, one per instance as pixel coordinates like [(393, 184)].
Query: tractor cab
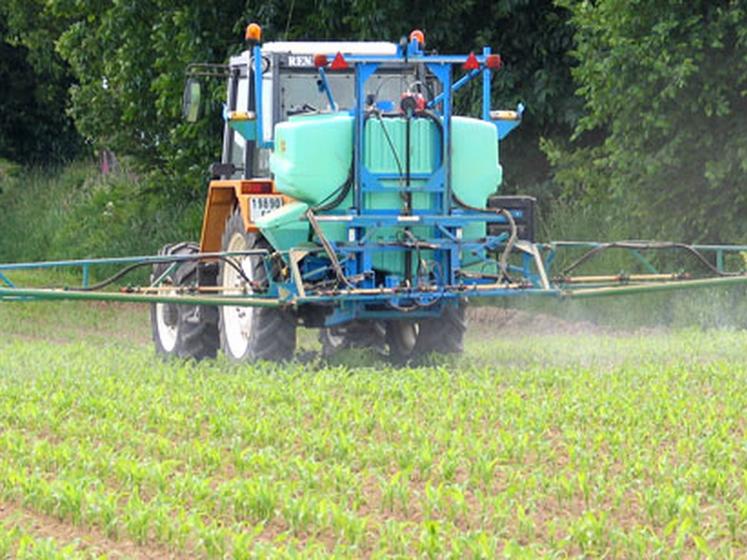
[(291, 86)]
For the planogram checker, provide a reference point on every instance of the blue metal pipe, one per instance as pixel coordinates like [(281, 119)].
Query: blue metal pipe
[(324, 87), (486, 78), (259, 109), (126, 260), (459, 84), (5, 280)]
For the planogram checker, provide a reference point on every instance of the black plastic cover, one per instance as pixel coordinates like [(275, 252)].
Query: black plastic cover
[(522, 208)]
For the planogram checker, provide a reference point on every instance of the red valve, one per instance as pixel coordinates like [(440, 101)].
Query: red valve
[(412, 102)]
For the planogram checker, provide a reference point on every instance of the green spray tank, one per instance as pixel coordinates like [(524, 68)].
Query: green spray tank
[(314, 153)]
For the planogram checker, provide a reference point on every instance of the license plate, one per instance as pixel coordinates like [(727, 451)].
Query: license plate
[(261, 205)]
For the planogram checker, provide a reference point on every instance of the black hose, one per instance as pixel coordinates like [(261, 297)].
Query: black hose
[(126, 270), (339, 195), (646, 245), (389, 141), (511, 222), (439, 125)]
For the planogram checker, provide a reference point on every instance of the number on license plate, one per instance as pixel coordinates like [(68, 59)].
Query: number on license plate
[(261, 205)]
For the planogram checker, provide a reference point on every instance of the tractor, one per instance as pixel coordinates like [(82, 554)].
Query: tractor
[(351, 198), (345, 173)]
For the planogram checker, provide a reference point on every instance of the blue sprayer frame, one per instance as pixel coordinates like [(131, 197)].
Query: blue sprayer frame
[(446, 218)]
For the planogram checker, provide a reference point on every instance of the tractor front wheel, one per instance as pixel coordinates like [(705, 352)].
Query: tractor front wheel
[(248, 334)]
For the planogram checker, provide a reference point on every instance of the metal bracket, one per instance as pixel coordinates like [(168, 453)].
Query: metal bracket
[(533, 250), (294, 257)]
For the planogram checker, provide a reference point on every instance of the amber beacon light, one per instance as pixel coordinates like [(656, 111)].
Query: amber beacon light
[(253, 33), (418, 36)]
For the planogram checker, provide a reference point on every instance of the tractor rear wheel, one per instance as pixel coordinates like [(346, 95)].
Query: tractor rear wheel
[(357, 334), (402, 338), (411, 340), (445, 334), (183, 331), (248, 334)]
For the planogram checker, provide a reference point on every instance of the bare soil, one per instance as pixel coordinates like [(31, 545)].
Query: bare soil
[(86, 538)]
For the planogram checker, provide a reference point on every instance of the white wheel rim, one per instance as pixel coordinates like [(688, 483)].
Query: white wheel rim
[(407, 335), (335, 340), (167, 334), (410, 335), (237, 321)]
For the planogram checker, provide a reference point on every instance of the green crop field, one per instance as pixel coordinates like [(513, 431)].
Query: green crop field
[(622, 446)]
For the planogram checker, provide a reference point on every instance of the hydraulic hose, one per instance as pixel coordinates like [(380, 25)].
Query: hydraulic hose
[(127, 269), (328, 249), (645, 245), (503, 261), (337, 196), (390, 143)]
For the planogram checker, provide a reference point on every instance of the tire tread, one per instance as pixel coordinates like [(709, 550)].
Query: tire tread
[(273, 335)]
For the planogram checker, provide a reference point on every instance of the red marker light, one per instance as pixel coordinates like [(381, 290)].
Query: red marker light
[(471, 62), (256, 187), (320, 60), (493, 61), (339, 63)]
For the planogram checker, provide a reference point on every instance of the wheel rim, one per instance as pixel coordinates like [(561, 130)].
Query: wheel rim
[(336, 338), (168, 334), (406, 335), (237, 321), (409, 334)]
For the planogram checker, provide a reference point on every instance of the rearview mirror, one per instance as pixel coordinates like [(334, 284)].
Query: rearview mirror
[(192, 100)]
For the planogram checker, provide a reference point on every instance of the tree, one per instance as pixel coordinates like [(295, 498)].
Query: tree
[(664, 137), (128, 60), (34, 127)]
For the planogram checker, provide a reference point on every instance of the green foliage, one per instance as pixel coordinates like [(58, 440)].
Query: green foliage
[(9, 171), (21, 544), (34, 127), (663, 144), (129, 58), (661, 147), (79, 213)]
